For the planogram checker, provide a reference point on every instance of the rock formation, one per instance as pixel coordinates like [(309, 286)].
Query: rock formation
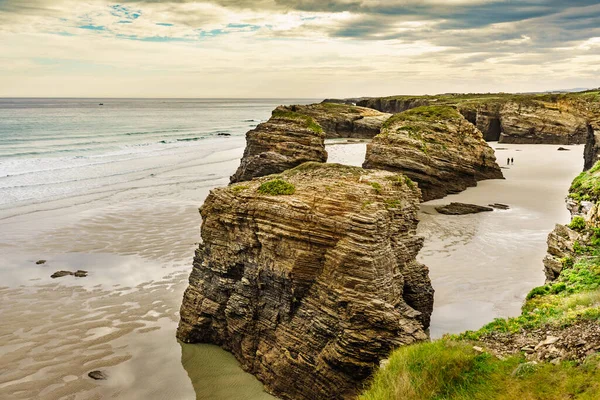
[(462, 209), (436, 147), (591, 153), (295, 134), (343, 120), (541, 122), (508, 118), (286, 140), (309, 278)]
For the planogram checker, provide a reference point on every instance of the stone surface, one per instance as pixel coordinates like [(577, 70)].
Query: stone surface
[(462, 209), (40, 262), (435, 147), (310, 291), (98, 375), (78, 274), (343, 120), (286, 140), (591, 152), (499, 206), (542, 122)]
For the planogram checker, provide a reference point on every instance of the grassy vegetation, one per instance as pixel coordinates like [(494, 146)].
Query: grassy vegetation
[(276, 187), (341, 107), (424, 114), (578, 223), (239, 188), (377, 187), (451, 370), (587, 185), (309, 122)]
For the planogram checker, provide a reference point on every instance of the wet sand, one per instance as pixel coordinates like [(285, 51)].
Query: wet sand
[(137, 244)]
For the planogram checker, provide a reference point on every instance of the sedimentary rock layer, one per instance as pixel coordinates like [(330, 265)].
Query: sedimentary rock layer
[(343, 120), (288, 139), (310, 290), (436, 147)]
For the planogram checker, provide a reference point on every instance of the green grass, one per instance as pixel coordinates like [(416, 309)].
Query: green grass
[(578, 223), (276, 187), (424, 114), (377, 187), (239, 188), (308, 121), (450, 370), (587, 185)]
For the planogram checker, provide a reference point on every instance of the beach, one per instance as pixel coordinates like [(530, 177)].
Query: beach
[(135, 227)]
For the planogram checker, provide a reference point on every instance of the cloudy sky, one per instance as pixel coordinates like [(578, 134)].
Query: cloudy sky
[(295, 48)]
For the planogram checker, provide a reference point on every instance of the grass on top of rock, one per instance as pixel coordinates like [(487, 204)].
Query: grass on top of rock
[(276, 187), (308, 121), (425, 114), (450, 370)]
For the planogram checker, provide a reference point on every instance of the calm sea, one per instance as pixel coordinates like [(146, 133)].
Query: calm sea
[(56, 148)]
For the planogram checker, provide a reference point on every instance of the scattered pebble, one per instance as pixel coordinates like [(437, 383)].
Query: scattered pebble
[(78, 274), (38, 262)]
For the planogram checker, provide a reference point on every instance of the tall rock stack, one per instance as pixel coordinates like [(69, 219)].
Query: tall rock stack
[(309, 277)]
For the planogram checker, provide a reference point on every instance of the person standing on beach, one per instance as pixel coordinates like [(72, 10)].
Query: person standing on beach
[(508, 161), (512, 161)]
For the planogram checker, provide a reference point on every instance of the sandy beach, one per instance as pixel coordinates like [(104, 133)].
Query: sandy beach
[(137, 244)]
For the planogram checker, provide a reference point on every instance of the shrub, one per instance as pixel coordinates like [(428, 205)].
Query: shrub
[(578, 223), (277, 187)]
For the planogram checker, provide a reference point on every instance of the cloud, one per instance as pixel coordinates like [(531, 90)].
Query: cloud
[(295, 47)]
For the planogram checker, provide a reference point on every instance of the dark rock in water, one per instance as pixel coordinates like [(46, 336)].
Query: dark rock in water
[(39, 262), (462, 209), (499, 206), (79, 274), (98, 375), (60, 274), (563, 149), (223, 134)]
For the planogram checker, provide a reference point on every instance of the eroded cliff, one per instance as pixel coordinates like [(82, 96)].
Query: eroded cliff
[(436, 147), (309, 278), (295, 134)]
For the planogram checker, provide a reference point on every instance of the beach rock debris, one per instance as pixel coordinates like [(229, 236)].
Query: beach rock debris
[(462, 209), (40, 262), (78, 274), (310, 289), (499, 206)]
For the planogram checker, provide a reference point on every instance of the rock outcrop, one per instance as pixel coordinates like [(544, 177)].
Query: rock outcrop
[(286, 140), (343, 120), (537, 122), (394, 104), (295, 134), (311, 289), (462, 209), (591, 152), (436, 147)]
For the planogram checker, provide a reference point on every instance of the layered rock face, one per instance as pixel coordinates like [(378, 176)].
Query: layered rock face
[(288, 139), (436, 147), (591, 153), (539, 122), (295, 134), (343, 120), (310, 289), (393, 105)]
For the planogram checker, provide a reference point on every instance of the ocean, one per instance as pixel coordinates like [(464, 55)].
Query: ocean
[(58, 148)]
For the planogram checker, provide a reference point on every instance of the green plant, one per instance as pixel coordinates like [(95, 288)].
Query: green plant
[(238, 188), (377, 187), (276, 187), (578, 223)]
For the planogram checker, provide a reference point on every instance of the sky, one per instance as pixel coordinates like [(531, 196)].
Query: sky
[(295, 48)]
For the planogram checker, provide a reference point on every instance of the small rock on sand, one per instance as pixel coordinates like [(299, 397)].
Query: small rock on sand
[(563, 149), (38, 262), (98, 375), (462, 209), (499, 206), (78, 274)]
